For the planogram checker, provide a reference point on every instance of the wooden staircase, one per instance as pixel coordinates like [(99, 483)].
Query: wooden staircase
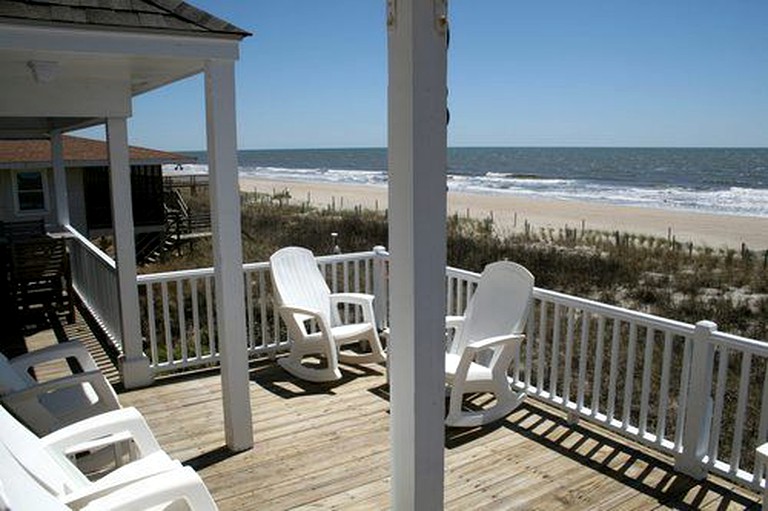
[(181, 226)]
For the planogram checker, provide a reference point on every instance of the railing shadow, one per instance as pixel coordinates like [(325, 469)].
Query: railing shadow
[(629, 465), (99, 336)]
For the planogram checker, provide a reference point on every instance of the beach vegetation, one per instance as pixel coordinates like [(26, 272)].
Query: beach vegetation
[(661, 276)]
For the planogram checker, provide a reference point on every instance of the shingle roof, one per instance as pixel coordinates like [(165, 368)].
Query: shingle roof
[(146, 15), (80, 150)]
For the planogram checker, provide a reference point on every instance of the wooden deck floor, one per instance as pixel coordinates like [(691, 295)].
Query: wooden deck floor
[(327, 447)]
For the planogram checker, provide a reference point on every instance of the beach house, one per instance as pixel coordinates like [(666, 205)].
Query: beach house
[(26, 182), (659, 423)]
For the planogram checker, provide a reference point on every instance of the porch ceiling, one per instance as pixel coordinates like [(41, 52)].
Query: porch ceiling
[(25, 128), (80, 90), (64, 77)]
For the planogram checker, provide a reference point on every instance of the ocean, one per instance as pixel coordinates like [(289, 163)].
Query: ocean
[(723, 181)]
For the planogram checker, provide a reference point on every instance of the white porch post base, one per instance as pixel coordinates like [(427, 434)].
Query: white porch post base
[(136, 372)]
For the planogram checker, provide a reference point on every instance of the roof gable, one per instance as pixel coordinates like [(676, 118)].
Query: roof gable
[(144, 15)]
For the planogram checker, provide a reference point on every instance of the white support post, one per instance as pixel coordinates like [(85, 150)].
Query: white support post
[(380, 287), (417, 181), (59, 179), (761, 463), (134, 363), (228, 251), (698, 413)]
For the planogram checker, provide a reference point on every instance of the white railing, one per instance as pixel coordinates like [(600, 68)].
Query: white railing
[(178, 313), (735, 395), (94, 279), (685, 390)]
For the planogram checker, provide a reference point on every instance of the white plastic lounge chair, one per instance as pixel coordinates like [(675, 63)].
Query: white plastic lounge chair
[(484, 343), (50, 405), (303, 296), (159, 492), (47, 458)]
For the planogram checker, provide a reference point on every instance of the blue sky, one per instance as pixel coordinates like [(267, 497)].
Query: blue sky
[(521, 73)]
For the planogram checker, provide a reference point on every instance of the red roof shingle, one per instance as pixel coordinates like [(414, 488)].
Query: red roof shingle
[(77, 149)]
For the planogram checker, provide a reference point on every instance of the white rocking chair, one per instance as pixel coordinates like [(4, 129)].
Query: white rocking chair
[(485, 341), (303, 297)]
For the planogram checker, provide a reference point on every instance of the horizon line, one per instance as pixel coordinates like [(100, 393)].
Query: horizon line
[(341, 148)]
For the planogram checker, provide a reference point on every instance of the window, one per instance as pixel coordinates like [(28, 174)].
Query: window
[(30, 190)]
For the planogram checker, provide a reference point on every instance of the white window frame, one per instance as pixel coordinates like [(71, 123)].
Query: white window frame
[(46, 196)]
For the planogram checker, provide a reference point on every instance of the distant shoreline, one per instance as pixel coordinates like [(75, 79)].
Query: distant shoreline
[(511, 212)]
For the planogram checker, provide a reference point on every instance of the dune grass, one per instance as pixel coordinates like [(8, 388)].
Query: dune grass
[(683, 282)]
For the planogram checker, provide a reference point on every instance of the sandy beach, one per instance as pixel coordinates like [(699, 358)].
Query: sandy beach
[(510, 213)]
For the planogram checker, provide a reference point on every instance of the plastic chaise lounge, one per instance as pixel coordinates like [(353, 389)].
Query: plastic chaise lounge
[(485, 341), (303, 298), (50, 405), (49, 459), (19, 490)]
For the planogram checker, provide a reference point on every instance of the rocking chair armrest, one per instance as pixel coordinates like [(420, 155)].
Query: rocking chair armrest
[(294, 309), (355, 298), (363, 300), (104, 429), (453, 322), (314, 314), (71, 349), (492, 342)]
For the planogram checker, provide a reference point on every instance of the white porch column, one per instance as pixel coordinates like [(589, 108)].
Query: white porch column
[(228, 251), (59, 179), (134, 364), (417, 180)]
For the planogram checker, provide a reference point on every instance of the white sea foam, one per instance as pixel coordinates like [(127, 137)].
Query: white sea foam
[(734, 200)]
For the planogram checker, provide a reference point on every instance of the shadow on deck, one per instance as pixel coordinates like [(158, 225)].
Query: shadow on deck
[(327, 447)]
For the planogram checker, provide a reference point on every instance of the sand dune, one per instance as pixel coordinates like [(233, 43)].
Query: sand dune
[(511, 213)]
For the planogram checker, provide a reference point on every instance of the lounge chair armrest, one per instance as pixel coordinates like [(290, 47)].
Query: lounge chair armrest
[(97, 444), (175, 485), (355, 298), (115, 425), (100, 385), (129, 475), (492, 342), (72, 349), (26, 402)]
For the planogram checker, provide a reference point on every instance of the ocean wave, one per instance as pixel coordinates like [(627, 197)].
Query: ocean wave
[(522, 177), (728, 200)]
